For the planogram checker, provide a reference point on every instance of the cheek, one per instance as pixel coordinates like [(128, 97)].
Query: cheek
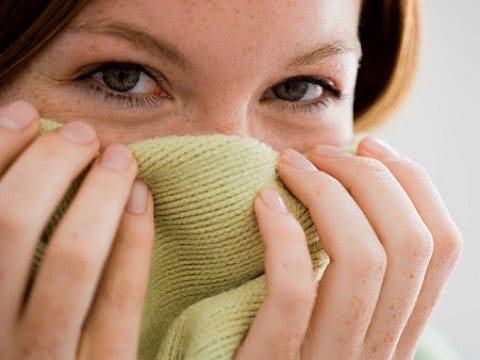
[(302, 132)]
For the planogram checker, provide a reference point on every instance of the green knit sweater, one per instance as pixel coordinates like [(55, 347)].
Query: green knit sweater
[(206, 279)]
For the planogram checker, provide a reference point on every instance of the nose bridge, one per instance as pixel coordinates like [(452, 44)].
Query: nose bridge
[(228, 115)]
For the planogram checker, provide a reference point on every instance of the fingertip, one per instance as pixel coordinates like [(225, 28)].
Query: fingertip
[(19, 115), (372, 145), (138, 201), (25, 107), (137, 223), (271, 199)]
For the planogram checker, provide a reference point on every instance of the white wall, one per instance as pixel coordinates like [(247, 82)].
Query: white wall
[(438, 126)]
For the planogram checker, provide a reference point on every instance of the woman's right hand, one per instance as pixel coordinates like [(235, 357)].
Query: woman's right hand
[(87, 297)]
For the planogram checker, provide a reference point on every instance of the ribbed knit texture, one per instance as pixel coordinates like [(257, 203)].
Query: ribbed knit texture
[(206, 280)]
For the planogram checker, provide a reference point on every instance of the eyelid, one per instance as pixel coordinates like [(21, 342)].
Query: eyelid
[(93, 87), (88, 71), (327, 84), (90, 76), (313, 107)]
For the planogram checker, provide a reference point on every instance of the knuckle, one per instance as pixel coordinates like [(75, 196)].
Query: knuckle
[(421, 240), (417, 246), (124, 298), (296, 295), (40, 344), (292, 342), (142, 239), (374, 166), (323, 182), (450, 243), (328, 181), (77, 263), (368, 262)]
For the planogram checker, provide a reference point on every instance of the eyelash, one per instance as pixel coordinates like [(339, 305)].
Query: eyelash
[(311, 107), (94, 88), (86, 82), (120, 99)]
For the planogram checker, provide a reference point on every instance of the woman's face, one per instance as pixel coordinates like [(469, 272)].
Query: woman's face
[(280, 71)]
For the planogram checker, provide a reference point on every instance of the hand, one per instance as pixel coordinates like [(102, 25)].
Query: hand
[(73, 310), (392, 246)]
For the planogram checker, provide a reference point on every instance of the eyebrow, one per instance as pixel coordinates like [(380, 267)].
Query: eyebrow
[(165, 50), (140, 39), (326, 50)]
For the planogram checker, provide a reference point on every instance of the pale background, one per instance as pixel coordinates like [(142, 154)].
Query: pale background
[(438, 127)]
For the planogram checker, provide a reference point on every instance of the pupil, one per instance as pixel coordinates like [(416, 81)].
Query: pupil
[(291, 90), (121, 78)]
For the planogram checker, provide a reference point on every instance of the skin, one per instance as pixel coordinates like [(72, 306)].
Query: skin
[(388, 266)]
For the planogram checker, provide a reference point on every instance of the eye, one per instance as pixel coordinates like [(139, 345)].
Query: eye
[(121, 79), (297, 89), (125, 84), (304, 93), (303, 88), (125, 78)]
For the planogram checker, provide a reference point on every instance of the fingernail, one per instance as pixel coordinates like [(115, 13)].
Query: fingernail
[(137, 202), (274, 201), (17, 115), (297, 160), (329, 151), (377, 147), (116, 157), (78, 131)]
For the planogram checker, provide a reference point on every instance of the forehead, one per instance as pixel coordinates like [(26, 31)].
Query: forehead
[(234, 30)]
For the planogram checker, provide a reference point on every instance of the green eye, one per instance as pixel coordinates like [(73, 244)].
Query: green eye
[(127, 79), (120, 78), (297, 89), (304, 93), (127, 84)]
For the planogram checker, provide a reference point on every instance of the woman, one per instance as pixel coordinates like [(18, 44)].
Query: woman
[(286, 73)]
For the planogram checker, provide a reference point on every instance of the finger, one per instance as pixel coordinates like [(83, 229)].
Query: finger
[(113, 325), (349, 288), (77, 250), (281, 321), (18, 125), (446, 237), (30, 190), (406, 239)]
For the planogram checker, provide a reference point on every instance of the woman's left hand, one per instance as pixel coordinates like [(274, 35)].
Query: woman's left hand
[(392, 246)]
